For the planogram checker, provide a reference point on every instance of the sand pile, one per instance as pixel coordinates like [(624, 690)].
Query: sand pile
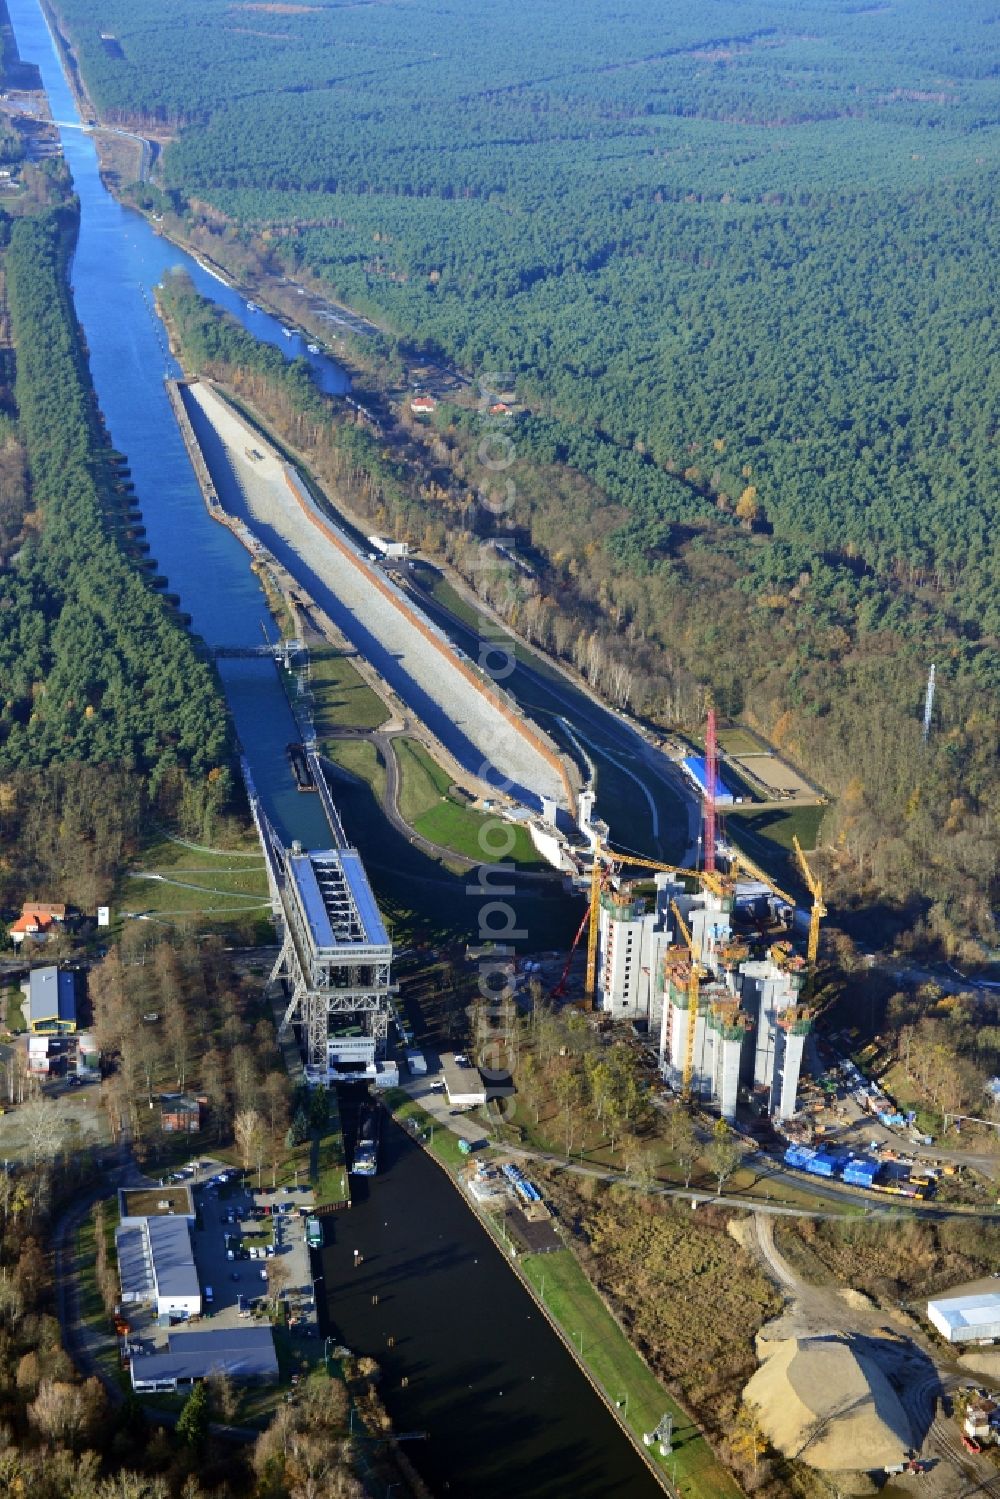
[(834, 1408)]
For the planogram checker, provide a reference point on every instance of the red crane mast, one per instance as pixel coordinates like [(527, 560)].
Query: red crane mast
[(711, 782)]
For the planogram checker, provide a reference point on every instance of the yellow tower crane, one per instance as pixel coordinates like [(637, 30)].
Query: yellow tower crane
[(742, 861), (695, 975), (596, 871), (818, 908), (605, 860)]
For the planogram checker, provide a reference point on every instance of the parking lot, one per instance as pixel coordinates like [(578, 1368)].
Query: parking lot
[(249, 1246)]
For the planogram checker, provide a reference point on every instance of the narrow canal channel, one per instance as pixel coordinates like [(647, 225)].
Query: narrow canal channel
[(506, 1409)]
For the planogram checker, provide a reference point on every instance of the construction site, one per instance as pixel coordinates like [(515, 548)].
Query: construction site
[(702, 960)]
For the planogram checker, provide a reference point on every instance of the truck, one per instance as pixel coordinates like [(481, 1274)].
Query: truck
[(314, 1233), (416, 1062)]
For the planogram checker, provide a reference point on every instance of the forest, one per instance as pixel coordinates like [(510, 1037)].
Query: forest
[(739, 262), (95, 669)]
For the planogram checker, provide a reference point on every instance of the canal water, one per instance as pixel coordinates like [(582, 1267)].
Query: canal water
[(118, 262), (506, 1409)]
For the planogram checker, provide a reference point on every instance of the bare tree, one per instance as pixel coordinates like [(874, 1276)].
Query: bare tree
[(44, 1129), (250, 1136), (724, 1154)]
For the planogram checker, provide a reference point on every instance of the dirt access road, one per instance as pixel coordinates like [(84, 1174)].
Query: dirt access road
[(918, 1374)]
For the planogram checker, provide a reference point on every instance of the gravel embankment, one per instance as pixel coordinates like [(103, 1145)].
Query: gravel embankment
[(464, 720)]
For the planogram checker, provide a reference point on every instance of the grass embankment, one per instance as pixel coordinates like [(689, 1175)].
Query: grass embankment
[(341, 697), (561, 1285), (740, 741), (440, 1141), (422, 898), (432, 808), (767, 837), (624, 786), (173, 882), (328, 1161), (13, 1007), (360, 758)]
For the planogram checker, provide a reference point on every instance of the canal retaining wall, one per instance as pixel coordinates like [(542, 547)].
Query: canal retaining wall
[(298, 600)]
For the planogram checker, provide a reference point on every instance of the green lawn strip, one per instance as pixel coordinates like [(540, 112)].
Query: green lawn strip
[(361, 759), (441, 1141), (328, 1161), (423, 783), (459, 828), (341, 697), (212, 883), (14, 1008), (775, 827), (102, 1342), (767, 837), (740, 741), (426, 805), (570, 1299)]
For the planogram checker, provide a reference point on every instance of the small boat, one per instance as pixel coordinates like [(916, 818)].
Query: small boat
[(365, 1162), (287, 331), (300, 767), (252, 307), (312, 348)]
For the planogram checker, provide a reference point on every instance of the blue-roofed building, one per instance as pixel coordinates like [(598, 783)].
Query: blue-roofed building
[(51, 1007), (244, 1353), (156, 1265), (697, 772)]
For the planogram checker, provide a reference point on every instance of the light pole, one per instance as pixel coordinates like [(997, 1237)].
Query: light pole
[(622, 1401), (316, 1281), (326, 1347), (580, 1336)]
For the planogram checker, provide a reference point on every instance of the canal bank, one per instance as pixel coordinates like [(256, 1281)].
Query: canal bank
[(465, 1353), (580, 1316), (506, 1407)]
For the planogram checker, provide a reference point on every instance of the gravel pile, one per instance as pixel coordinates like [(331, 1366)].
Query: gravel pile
[(828, 1405)]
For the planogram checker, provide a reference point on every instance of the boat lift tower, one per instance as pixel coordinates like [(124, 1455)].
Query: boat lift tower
[(335, 952)]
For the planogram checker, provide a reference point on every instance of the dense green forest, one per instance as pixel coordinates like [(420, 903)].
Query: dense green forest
[(95, 670), (740, 260)]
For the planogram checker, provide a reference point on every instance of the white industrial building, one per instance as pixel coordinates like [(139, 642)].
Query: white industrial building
[(644, 973), (156, 1265), (967, 1319)]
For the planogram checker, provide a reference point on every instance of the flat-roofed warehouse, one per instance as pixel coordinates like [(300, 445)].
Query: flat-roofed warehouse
[(156, 1265), (967, 1319), (244, 1353)]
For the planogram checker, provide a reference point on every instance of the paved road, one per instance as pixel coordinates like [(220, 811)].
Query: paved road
[(612, 733)]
